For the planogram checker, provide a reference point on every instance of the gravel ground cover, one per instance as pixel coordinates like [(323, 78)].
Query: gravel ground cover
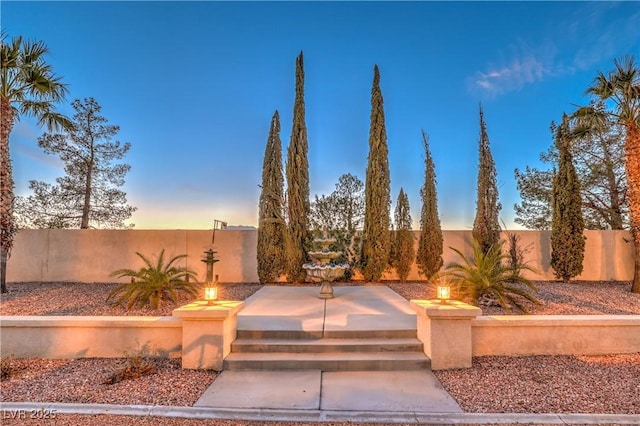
[(539, 384)]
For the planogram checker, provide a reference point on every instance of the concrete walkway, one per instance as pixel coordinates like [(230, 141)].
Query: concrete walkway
[(354, 310)]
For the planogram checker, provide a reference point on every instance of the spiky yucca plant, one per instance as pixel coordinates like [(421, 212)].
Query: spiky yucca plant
[(154, 283), (492, 274)]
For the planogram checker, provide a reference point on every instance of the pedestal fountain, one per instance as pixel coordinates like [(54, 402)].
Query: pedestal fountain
[(322, 269)]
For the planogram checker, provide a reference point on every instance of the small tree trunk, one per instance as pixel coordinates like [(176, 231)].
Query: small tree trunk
[(632, 165), (635, 288), (3, 270), (7, 224)]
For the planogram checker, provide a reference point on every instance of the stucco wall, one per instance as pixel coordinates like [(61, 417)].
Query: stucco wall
[(90, 255), (555, 335), (114, 337), (89, 337)]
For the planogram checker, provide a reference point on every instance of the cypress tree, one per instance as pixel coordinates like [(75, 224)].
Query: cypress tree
[(567, 226), (271, 225), (376, 237), (430, 246), (297, 169), (486, 229), (403, 252)]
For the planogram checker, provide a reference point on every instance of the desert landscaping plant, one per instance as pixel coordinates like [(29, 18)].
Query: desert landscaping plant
[(136, 365), (155, 283), (402, 253), (376, 241), (491, 275), (271, 223), (28, 86), (297, 171), (486, 229), (429, 257), (621, 87), (567, 226), (89, 194)]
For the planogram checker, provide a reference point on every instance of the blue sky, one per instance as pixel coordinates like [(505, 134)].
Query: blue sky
[(193, 86)]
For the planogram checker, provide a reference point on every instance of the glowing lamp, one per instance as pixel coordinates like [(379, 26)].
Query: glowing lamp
[(211, 294), (444, 293), (211, 291)]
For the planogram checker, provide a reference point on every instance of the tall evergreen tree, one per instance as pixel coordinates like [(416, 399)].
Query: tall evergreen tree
[(271, 225), (430, 246), (376, 238), (486, 228), (567, 226), (403, 252), (620, 87), (87, 196), (297, 169)]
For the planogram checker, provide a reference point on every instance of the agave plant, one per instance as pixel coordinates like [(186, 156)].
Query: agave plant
[(154, 283), (492, 274)]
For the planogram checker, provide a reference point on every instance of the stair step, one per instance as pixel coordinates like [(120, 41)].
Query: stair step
[(330, 361), (246, 345), (329, 334)]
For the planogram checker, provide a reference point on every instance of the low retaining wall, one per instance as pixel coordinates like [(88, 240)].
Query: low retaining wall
[(89, 337), (115, 337), (555, 335)]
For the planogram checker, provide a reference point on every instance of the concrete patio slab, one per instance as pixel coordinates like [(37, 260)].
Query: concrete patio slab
[(385, 391), (362, 309), (283, 308), (264, 389)]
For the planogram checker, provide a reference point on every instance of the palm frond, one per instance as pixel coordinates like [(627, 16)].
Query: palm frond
[(491, 273), (155, 283)]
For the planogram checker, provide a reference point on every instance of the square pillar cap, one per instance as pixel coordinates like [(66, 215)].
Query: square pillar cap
[(452, 309)]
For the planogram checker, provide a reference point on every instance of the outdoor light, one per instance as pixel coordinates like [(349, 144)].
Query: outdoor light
[(444, 293), (210, 295), (211, 292)]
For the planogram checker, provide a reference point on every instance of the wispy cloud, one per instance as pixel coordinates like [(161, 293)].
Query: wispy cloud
[(589, 36), (520, 66)]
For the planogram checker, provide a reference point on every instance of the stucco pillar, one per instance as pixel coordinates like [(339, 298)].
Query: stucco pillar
[(445, 331), (207, 333)]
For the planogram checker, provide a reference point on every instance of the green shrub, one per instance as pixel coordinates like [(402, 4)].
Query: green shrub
[(492, 275), (154, 283)]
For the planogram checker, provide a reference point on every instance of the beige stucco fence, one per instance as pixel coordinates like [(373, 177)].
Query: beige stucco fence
[(90, 255)]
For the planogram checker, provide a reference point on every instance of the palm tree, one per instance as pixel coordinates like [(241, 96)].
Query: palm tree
[(491, 274), (155, 283), (28, 86), (621, 87)]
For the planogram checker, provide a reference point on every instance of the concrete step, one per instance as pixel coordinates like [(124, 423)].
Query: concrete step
[(330, 361), (245, 345), (330, 334)]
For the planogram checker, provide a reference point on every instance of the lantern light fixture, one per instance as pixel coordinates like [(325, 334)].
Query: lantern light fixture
[(211, 292)]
